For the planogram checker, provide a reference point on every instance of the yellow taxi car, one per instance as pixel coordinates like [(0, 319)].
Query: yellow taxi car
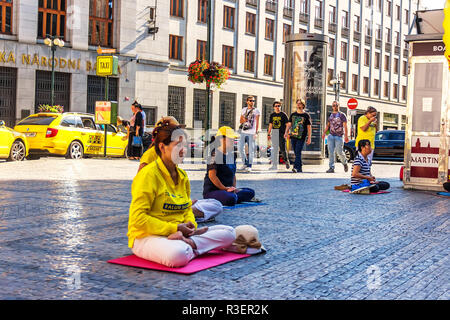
[(71, 134), (13, 144)]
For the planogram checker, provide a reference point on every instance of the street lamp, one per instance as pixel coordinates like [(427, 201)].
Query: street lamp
[(336, 82), (53, 42)]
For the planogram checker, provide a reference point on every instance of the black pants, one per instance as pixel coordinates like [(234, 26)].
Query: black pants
[(447, 186), (133, 151), (381, 185)]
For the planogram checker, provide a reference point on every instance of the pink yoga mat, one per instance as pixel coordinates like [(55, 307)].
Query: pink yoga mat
[(205, 261), (379, 192)]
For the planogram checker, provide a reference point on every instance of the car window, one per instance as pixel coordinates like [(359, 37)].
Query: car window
[(37, 121), (398, 136), (88, 123), (78, 123), (68, 122), (109, 128), (381, 136)]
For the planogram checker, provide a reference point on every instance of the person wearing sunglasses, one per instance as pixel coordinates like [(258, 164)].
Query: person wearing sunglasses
[(249, 129)]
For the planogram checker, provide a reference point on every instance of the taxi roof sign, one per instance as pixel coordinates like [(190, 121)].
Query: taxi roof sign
[(107, 65)]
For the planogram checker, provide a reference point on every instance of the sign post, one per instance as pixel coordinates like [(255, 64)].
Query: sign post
[(106, 66), (352, 104)]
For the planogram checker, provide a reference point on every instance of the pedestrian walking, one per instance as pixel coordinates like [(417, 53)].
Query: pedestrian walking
[(277, 127), (299, 130), (161, 225), (249, 129), (136, 130), (337, 124), (367, 128), (220, 178), (361, 171)]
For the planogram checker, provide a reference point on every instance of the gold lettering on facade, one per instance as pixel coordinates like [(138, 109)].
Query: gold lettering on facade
[(78, 64), (72, 64), (62, 63), (88, 66), (35, 59), (11, 57), (2, 56), (44, 61), (25, 58)]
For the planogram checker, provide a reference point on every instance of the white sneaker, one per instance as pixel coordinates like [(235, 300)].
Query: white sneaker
[(243, 167), (248, 169)]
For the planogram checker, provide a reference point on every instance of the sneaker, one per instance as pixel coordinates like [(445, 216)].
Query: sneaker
[(331, 170), (248, 169), (342, 187), (345, 167), (294, 170), (255, 200), (243, 167), (361, 187)]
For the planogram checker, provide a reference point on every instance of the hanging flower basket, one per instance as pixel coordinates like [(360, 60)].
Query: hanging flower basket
[(49, 108), (212, 73)]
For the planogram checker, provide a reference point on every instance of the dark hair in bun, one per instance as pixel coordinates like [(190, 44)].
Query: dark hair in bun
[(163, 133)]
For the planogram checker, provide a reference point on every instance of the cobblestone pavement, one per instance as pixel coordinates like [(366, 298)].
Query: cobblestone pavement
[(61, 220)]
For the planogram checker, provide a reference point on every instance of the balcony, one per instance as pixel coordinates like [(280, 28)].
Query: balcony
[(304, 17), (318, 23), (252, 3), (368, 40), (332, 27), (378, 43), (397, 50), (288, 12), (388, 47), (271, 6), (356, 36), (345, 32)]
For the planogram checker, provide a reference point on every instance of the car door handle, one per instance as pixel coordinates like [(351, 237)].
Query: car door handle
[(83, 134)]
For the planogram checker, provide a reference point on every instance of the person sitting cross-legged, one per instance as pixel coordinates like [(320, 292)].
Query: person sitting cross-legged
[(361, 176), (220, 178)]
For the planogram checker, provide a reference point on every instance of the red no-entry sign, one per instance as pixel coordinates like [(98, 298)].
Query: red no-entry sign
[(352, 103)]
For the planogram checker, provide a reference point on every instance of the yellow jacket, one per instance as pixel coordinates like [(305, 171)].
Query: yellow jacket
[(158, 205), (149, 156)]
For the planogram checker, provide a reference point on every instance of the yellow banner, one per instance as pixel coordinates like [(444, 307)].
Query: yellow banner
[(446, 25)]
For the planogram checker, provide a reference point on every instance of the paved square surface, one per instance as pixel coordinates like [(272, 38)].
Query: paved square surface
[(61, 220)]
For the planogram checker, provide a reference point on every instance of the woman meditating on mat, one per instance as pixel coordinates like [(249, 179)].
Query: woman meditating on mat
[(161, 226), (361, 176), (220, 178)]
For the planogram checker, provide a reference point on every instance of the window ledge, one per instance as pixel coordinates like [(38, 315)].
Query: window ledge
[(5, 36)]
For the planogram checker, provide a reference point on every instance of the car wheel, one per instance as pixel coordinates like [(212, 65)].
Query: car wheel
[(17, 152), (75, 150), (348, 154)]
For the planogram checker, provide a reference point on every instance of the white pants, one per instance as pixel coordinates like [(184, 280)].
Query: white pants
[(210, 208), (177, 253)]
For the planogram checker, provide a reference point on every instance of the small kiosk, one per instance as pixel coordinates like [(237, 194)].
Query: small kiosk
[(427, 136)]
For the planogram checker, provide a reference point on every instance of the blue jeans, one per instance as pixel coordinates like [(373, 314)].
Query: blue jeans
[(297, 145), (247, 138), (231, 198), (336, 145)]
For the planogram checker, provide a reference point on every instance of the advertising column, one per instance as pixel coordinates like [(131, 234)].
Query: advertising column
[(305, 74)]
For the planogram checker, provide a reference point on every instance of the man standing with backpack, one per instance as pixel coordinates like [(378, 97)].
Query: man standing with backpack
[(249, 129), (337, 124)]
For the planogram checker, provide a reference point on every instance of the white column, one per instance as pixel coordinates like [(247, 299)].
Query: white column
[(27, 20)]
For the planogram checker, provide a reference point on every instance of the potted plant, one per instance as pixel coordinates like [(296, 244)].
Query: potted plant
[(49, 108), (211, 73)]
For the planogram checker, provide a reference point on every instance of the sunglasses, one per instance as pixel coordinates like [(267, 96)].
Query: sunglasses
[(251, 100)]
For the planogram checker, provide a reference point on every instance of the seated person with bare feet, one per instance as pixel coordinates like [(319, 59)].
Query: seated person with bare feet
[(162, 226)]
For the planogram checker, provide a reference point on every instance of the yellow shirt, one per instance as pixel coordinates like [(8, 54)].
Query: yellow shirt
[(149, 156), (369, 134), (158, 206)]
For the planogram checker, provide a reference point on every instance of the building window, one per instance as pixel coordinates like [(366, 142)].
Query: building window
[(282, 68), (228, 17), (343, 78), (354, 82), (332, 14), (269, 29), (176, 8), (345, 22), (355, 54), (397, 38), (403, 92), (407, 16), (150, 115), (6, 16), (377, 60), (101, 23), (96, 88), (395, 93), (396, 65), (398, 12), (8, 85), (227, 109), (319, 11), (249, 61), (227, 56), (378, 32), (250, 25), (386, 89), (366, 85), (331, 47), (303, 6), (388, 35), (405, 68), (52, 18), (330, 74), (202, 10), (268, 65), (43, 89), (368, 26), (376, 87), (267, 109), (366, 57), (389, 8), (357, 24), (201, 50), (301, 30), (175, 47), (386, 63), (286, 31), (200, 107), (344, 50), (177, 103)]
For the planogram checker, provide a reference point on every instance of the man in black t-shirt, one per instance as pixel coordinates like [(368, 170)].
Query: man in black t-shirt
[(277, 127)]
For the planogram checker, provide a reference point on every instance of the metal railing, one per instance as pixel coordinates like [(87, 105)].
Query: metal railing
[(318, 23), (332, 27), (368, 40), (271, 6), (345, 32), (377, 43), (304, 17), (356, 36), (288, 12), (253, 3), (388, 46)]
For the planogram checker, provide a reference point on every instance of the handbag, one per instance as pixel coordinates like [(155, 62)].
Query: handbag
[(246, 125), (137, 141)]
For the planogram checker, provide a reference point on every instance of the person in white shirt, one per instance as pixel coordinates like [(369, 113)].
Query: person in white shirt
[(249, 130)]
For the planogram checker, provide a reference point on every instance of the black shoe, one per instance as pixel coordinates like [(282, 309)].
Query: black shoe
[(345, 167), (331, 170), (287, 165), (294, 170)]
